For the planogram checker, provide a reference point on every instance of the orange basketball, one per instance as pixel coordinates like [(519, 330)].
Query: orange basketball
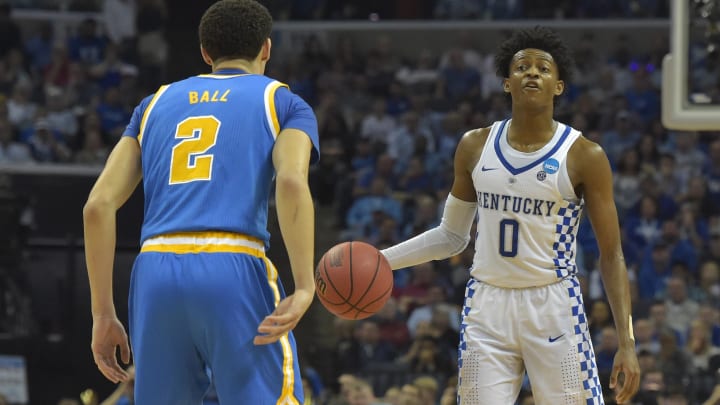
[(353, 280)]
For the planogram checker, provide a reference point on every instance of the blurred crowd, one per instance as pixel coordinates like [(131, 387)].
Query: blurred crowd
[(464, 9), (69, 99), (389, 126)]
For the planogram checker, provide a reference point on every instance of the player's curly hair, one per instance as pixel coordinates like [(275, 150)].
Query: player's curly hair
[(541, 38), (234, 29)]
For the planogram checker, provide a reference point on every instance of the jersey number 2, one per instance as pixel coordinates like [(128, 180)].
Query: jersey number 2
[(509, 230), (190, 160)]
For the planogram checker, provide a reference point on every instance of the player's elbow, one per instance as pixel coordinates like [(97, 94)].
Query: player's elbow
[(456, 246), (292, 183), (95, 207)]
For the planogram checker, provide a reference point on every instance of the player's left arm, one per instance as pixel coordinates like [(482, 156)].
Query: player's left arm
[(592, 168)]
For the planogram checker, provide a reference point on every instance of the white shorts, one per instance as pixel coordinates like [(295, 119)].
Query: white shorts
[(543, 330)]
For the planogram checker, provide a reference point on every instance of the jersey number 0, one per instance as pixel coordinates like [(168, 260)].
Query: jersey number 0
[(190, 160)]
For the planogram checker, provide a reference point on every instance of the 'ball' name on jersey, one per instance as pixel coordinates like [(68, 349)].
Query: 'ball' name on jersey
[(525, 205), (195, 97)]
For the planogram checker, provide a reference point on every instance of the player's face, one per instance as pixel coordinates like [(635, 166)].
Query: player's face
[(533, 77)]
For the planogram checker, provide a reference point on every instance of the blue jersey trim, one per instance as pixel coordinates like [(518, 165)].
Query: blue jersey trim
[(519, 170)]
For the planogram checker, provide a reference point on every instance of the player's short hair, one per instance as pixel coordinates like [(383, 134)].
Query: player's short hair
[(234, 29), (541, 38)]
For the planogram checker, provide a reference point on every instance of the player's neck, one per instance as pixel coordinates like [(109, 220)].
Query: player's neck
[(254, 67), (532, 125)]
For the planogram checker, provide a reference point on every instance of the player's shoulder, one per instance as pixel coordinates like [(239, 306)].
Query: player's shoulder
[(584, 149), (474, 139)]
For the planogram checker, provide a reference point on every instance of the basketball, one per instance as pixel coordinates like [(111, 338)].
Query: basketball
[(353, 280)]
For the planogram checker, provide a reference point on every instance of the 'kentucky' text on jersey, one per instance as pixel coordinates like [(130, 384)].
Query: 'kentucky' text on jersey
[(528, 212)]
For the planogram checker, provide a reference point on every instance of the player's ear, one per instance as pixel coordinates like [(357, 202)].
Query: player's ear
[(205, 56), (559, 87), (265, 51), (506, 85)]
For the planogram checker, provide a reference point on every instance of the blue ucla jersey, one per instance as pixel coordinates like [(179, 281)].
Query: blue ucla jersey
[(207, 146)]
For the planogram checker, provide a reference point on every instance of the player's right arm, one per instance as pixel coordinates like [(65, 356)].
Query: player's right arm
[(453, 234)]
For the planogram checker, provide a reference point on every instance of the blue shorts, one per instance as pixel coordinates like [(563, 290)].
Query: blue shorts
[(196, 301)]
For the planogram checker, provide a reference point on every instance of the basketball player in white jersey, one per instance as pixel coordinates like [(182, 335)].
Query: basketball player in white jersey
[(528, 179)]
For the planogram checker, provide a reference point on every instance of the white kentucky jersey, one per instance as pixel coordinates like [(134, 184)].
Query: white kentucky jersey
[(528, 212)]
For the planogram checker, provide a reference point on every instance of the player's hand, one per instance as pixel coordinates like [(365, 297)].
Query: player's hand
[(108, 334), (625, 364), (286, 315)]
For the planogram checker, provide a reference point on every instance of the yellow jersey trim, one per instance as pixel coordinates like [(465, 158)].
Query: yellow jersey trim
[(270, 109), (148, 110), (205, 242), (287, 396)]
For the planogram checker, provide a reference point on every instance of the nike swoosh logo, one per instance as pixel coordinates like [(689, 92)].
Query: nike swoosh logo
[(487, 169), (552, 339)]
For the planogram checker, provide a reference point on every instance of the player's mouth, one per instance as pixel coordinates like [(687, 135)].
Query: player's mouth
[(531, 85)]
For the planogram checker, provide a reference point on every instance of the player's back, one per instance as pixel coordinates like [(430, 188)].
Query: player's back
[(207, 154)]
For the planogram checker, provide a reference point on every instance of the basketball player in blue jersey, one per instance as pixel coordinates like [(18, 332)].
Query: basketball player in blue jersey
[(203, 294), (528, 179)]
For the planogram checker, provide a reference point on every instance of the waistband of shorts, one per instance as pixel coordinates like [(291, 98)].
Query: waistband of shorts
[(204, 242)]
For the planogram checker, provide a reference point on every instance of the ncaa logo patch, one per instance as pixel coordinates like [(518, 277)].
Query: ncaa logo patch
[(541, 175), (551, 166)]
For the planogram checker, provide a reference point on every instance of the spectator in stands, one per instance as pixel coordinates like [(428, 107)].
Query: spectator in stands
[(428, 388), (620, 138), (60, 115), (626, 181), (46, 145), (401, 142), (697, 194), (680, 309), (700, 349), (671, 181), (111, 71), (654, 270), (644, 337), (364, 212), (12, 151), (643, 228), (94, 151), (15, 70), (361, 393), (457, 81), (57, 72), (365, 349), (21, 109), (152, 46), (393, 325), (709, 282), (378, 123), (87, 46), (434, 303), (114, 116), (673, 361), (119, 22), (642, 98)]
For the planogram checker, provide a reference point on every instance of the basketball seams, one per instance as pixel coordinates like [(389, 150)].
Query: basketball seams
[(357, 309), (329, 280), (370, 284)]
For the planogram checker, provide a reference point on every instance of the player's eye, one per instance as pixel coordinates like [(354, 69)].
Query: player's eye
[(545, 69)]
